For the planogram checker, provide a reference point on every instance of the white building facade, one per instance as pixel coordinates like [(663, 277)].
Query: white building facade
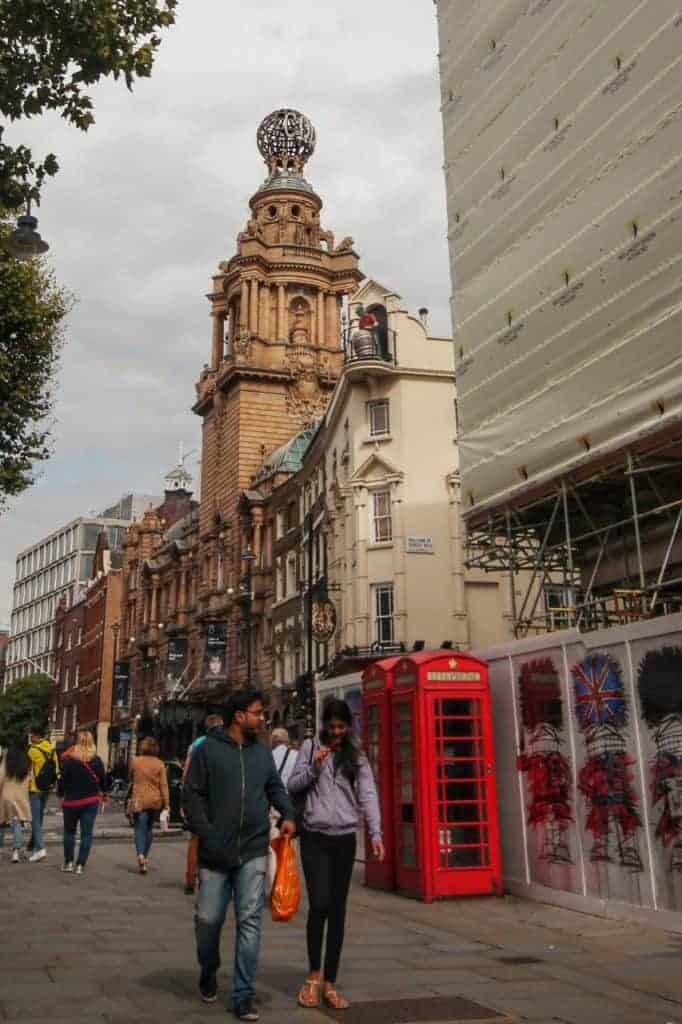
[(58, 565)]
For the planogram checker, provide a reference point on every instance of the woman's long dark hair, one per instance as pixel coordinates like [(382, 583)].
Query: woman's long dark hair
[(17, 763), (347, 757)]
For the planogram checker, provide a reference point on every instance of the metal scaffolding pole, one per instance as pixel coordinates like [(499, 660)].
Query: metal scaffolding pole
[(635, 515)]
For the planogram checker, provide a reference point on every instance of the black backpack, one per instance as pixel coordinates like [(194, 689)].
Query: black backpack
[(47, 776)]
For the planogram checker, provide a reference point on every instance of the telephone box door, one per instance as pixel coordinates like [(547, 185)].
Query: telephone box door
[(409, 846), (463, 835), (377, 683)]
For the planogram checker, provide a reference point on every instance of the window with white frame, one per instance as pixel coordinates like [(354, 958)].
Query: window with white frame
[(382, 525), (383, 613), (76, 674), (378, 416)]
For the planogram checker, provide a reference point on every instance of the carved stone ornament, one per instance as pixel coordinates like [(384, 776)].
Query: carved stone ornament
[(242, 344)]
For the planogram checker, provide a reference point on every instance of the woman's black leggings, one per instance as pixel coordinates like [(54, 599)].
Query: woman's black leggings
[(328, 868)]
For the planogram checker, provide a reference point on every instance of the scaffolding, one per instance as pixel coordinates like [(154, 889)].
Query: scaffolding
[(598, 547)]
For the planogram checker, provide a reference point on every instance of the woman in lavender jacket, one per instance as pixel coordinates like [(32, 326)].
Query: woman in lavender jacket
[(335, 779)]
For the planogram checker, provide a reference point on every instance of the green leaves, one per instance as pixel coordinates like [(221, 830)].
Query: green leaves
[(51, 51), (32, 309), (22, 705)]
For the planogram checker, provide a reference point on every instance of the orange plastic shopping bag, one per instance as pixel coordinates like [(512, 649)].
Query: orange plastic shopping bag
[(286, 889)]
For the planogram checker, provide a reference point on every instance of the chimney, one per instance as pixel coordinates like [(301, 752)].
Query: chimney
[(424, 317)]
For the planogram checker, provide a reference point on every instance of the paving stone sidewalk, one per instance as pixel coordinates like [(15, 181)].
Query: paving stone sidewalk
[(112, 947)]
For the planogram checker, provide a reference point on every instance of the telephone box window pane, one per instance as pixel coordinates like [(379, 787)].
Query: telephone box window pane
[(456, 791), (467, 857), (454, 707), (463, 812)]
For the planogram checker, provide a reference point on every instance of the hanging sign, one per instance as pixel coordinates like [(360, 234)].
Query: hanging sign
[(176, 661), (121, 684), (215, 656), (323, 620)]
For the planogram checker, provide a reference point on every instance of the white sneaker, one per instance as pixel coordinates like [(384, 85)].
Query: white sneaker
[(37, 855), (79, 869), (15, 856), (68, 868)]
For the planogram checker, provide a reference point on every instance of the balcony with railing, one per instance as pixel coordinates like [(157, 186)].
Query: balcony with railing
[(370, 347)]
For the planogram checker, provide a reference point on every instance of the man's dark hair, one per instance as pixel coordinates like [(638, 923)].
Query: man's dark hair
[(38, 730), (242, 701)]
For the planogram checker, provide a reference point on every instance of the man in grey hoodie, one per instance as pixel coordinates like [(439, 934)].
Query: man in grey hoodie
[(231, 784)]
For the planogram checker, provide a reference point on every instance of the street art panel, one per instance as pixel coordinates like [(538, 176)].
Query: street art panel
[(659, 692)]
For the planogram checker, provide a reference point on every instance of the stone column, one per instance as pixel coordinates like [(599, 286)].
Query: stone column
[(217, 346), (332, 331), (244, 308), (182, 588), (156, 583), (253, 311), (321, 332), (257, 520), (281, 312), (264, 318)]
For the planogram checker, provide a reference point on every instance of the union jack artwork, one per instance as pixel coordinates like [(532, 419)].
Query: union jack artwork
[(606, 780), (599, 697)]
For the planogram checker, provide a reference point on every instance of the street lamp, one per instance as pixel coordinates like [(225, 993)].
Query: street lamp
[(248, 558), (115, 629), (24, 242)]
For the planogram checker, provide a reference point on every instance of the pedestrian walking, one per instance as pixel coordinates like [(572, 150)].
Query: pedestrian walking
[(81, 785), (15, 806), (44, 776), (335, 780), (231, 784), (149, 797), (214, 720)]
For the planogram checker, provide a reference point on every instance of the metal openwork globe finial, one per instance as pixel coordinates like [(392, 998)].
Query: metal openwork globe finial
[(286, 140)]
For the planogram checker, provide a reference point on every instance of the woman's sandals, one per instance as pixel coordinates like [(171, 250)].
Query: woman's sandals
[(334, 1001), (309, 993)]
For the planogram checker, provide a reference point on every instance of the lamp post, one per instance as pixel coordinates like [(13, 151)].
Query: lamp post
[(24, 242), (246, 586), (309, 700), (115, 629)]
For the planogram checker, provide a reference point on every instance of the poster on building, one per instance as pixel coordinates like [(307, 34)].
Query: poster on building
[(121, 684), (176, 662), (215, 666)]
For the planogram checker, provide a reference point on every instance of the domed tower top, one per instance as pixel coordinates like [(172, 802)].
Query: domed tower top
[(286, 140)]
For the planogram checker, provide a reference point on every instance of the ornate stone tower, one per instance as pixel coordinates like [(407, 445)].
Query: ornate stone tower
[(276, 349)]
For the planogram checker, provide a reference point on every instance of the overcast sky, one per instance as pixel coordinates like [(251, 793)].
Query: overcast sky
[(147, 203)]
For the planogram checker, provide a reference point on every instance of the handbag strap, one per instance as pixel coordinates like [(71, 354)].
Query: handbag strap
[(284, 761), (92, 774)]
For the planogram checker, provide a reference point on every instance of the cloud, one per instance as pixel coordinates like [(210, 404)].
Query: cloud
[(148, 202)]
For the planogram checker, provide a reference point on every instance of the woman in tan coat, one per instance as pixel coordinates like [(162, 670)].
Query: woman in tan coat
[(149, 796), (15, 808)]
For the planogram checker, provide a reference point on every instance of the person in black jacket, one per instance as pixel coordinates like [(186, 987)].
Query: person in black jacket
[(81, 785), (231, 784)]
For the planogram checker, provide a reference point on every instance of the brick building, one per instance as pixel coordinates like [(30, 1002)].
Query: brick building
[(276, 355)]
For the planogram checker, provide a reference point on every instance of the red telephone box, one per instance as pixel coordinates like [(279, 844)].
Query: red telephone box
[(445, 802), (377, 683)]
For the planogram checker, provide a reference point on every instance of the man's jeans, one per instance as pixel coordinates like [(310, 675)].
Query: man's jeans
[(87, 816), (38, 801), (246, 885)]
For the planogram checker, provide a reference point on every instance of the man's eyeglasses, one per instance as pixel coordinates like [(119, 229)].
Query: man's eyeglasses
[(256, 714)]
